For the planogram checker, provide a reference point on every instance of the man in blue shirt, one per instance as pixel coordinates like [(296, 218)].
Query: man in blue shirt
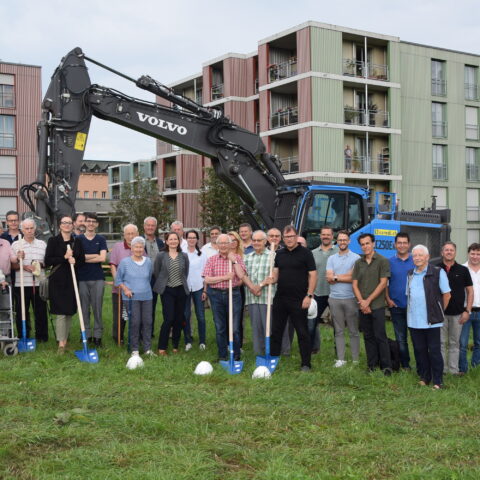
[(91, 279), (396, 297), (428, 293)]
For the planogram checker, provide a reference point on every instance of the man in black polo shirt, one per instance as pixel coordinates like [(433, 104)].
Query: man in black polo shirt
[(370, 275), (458, 311), (296, 274)]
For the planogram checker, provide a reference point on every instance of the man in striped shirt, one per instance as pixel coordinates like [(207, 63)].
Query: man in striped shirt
[(217, 277), (31, 250)]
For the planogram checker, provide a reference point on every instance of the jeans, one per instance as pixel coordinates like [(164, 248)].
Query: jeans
[(426, 344), (200, 314), (313, 330), (219, 303), (474, 322), (399, 320)]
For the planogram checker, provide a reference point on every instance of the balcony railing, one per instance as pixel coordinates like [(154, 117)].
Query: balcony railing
[(365, 164), (471, 132), (471, 91), (284, 117), (170, 183), (473, 173), (7, 140), (279, 71), (372, 118), (115, 196), (439, 129), (439, 172), (289, 165), (373, 71), (217, 91), (439, 87), (473, 214), (116, 179)]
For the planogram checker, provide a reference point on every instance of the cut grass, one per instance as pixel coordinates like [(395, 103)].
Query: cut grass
[(61, 418)]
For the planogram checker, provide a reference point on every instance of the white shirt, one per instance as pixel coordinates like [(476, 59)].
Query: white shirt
[(476, 285), (195, 269), (184, 245), (33, 251), (208, 250)]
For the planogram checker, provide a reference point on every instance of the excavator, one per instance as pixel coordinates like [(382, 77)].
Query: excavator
[(238, 156)]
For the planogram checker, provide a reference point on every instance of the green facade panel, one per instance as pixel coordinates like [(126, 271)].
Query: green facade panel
[(327, 100), (327, 149), (326, 50)]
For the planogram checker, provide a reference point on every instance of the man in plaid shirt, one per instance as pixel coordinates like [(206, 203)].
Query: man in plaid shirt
[(217, 276), (258, 270)]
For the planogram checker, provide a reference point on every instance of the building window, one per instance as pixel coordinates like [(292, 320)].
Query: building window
[(7, 94), (6, 204), (439, 125), (94, 194), (441, 194), (471, 123), (473, 209), (439, 84), (104, 194), (8, 172), (439, 162), (86, 194), (472, 164), (473, 236), (7, 131), (471, 83)]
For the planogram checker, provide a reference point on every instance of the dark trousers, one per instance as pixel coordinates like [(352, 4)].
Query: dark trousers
[(173, 305), (154, 307), (39, 307), (372, 325), (428, 354), (313, 330), (282, 309), (118, 309), (399, 320)]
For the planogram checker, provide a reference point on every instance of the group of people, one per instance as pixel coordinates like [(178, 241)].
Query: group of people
[(438, 304)]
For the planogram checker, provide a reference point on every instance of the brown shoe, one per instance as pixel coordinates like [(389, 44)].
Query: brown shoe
[(162, 353), (175, 350), (61, 350)]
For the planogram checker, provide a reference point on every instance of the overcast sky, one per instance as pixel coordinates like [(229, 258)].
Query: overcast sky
[(170, 40)]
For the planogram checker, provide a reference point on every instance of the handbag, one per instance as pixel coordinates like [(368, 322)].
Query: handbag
[(43, 283)]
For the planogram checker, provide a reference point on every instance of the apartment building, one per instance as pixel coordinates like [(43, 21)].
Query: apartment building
[(344, 105), (20, 110)]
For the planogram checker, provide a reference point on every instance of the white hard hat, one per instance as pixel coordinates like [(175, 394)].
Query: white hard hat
[(261, 372), (312, 309), (203, 368), (135, 361)]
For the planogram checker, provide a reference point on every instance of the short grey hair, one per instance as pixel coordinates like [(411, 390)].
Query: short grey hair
[(138, 240), (28, 220), (260, 232), (177, 222), (224, 235), (128, 225), (149, 219), (423, 248)]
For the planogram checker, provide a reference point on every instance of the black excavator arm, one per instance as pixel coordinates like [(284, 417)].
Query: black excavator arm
[(238, 156)]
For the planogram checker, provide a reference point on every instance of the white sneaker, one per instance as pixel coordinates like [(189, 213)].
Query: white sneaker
[(149, 353), (188, 347), (135, 353), (202, 346), (340, 363)]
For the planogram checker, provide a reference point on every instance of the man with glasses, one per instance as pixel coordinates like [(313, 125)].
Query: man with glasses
[(11, 234), (91, 279), (296, 276)]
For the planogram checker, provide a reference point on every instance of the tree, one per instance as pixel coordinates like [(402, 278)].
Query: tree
[(141, 199), (219, 205)]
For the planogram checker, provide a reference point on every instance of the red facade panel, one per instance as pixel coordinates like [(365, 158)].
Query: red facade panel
[(235, 79), (305, 162), (264, 107), (304, 89), (191, 173), (207, 84), (303, 50), (262, 64)]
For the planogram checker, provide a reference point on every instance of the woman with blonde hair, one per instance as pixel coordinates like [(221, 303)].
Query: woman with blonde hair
[(236, 246)]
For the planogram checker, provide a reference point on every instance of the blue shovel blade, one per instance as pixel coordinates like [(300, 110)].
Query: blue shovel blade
[(26, 345), (232, 367), (89, 356), (267, 361)]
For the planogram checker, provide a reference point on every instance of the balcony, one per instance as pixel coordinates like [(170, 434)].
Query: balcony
[(116, 179), (471, 91), (170, 183), (439, 172), (115, 196), (471, 132), (473, 173), (473, 214), (439, 87), (371, 118), (217, 92), (439, 129), (284, 117), (372, 71), (279, 71), (289, 165), (365, 164)]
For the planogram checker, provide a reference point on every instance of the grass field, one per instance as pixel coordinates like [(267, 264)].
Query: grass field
[(63, 419)]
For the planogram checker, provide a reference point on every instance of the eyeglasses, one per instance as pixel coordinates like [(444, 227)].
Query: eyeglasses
[(66, 223), (90, 221), (290, 236), (257, 239), (274, 236)]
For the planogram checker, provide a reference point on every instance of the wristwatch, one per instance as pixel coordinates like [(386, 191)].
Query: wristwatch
[(335, 278), (309, 295)]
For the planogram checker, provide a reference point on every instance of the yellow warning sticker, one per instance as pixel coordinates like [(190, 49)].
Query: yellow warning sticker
[(80, 141), (385, 233)]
